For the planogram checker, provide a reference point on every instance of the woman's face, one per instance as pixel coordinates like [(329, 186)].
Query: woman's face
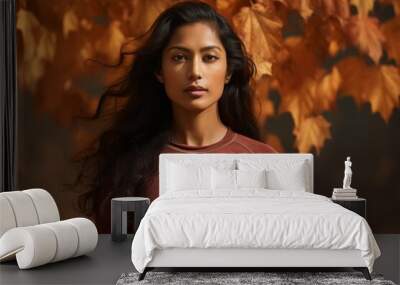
[(194, 59)]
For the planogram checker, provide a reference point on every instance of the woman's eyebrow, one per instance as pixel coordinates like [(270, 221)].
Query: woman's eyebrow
[(189, 50)]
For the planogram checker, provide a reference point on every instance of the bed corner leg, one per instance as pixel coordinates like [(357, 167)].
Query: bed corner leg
[(143, 274), (365, 272)]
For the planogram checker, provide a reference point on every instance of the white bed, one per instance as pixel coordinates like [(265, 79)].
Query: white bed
[(200, 223)]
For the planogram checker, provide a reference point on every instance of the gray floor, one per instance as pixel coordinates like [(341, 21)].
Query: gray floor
[(103, 266), (389, 262), (110, 260)]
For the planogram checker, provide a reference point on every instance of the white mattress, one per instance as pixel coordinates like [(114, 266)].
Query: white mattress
[(252, 218)]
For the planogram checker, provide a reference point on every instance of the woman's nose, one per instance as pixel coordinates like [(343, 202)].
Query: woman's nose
[(195, 69)]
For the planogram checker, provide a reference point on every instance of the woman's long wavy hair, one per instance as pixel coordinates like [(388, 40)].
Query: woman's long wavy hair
[(127, 153)]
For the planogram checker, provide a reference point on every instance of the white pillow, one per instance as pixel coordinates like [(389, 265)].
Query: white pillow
[(181, 177), (251, 178), (235, 179), (281, 174), (223, 179), (291, 179)]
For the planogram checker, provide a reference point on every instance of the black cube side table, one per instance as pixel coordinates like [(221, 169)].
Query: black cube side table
[(119, 208), (357, 205)]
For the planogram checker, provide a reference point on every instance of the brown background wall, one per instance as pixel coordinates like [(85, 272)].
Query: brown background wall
[(46, 140)]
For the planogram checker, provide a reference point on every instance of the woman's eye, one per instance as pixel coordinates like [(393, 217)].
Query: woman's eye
[(211, 58), (178, 57)]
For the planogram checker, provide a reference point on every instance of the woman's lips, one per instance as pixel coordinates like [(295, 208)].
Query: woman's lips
[(196, 93)]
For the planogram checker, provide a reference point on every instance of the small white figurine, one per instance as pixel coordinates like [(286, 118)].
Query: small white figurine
[(347, 174)]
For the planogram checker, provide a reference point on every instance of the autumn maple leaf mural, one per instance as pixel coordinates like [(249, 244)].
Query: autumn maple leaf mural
[(307, 51)]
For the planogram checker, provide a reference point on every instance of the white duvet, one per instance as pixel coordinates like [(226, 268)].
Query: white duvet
[(251, 218)]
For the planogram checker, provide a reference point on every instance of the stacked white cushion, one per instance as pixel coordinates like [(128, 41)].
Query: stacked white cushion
[(7, 219), (23, 209), (87, 235), (66, 236), (26, 208), (31, 230), (45, 206)]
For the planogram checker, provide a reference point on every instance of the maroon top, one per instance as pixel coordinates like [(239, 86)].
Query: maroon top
[(231, 143)]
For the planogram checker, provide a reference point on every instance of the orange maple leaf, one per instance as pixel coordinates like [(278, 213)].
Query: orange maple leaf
[(356, 75), (296, 66), (295, 63), (312, 132), (336, 8), (363, 6), (260, 30), (305, 88), (378, 85), (303, 7), (385, 93), (299, 103), (364, 32), (228, 8), (324, 36), (391, 30), (325, 89), (315, 95)]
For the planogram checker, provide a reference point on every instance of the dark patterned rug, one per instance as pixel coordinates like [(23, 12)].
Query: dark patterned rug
[(269, 278)]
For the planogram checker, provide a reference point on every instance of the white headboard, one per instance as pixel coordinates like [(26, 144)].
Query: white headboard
[(225, 159)]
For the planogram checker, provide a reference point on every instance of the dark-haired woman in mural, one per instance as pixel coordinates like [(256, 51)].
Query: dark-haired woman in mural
[(188, 92)]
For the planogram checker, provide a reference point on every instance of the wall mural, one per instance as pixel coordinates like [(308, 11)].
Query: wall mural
[(328, 83)]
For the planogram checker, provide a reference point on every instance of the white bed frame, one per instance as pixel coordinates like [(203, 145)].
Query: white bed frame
[(250, 257)]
